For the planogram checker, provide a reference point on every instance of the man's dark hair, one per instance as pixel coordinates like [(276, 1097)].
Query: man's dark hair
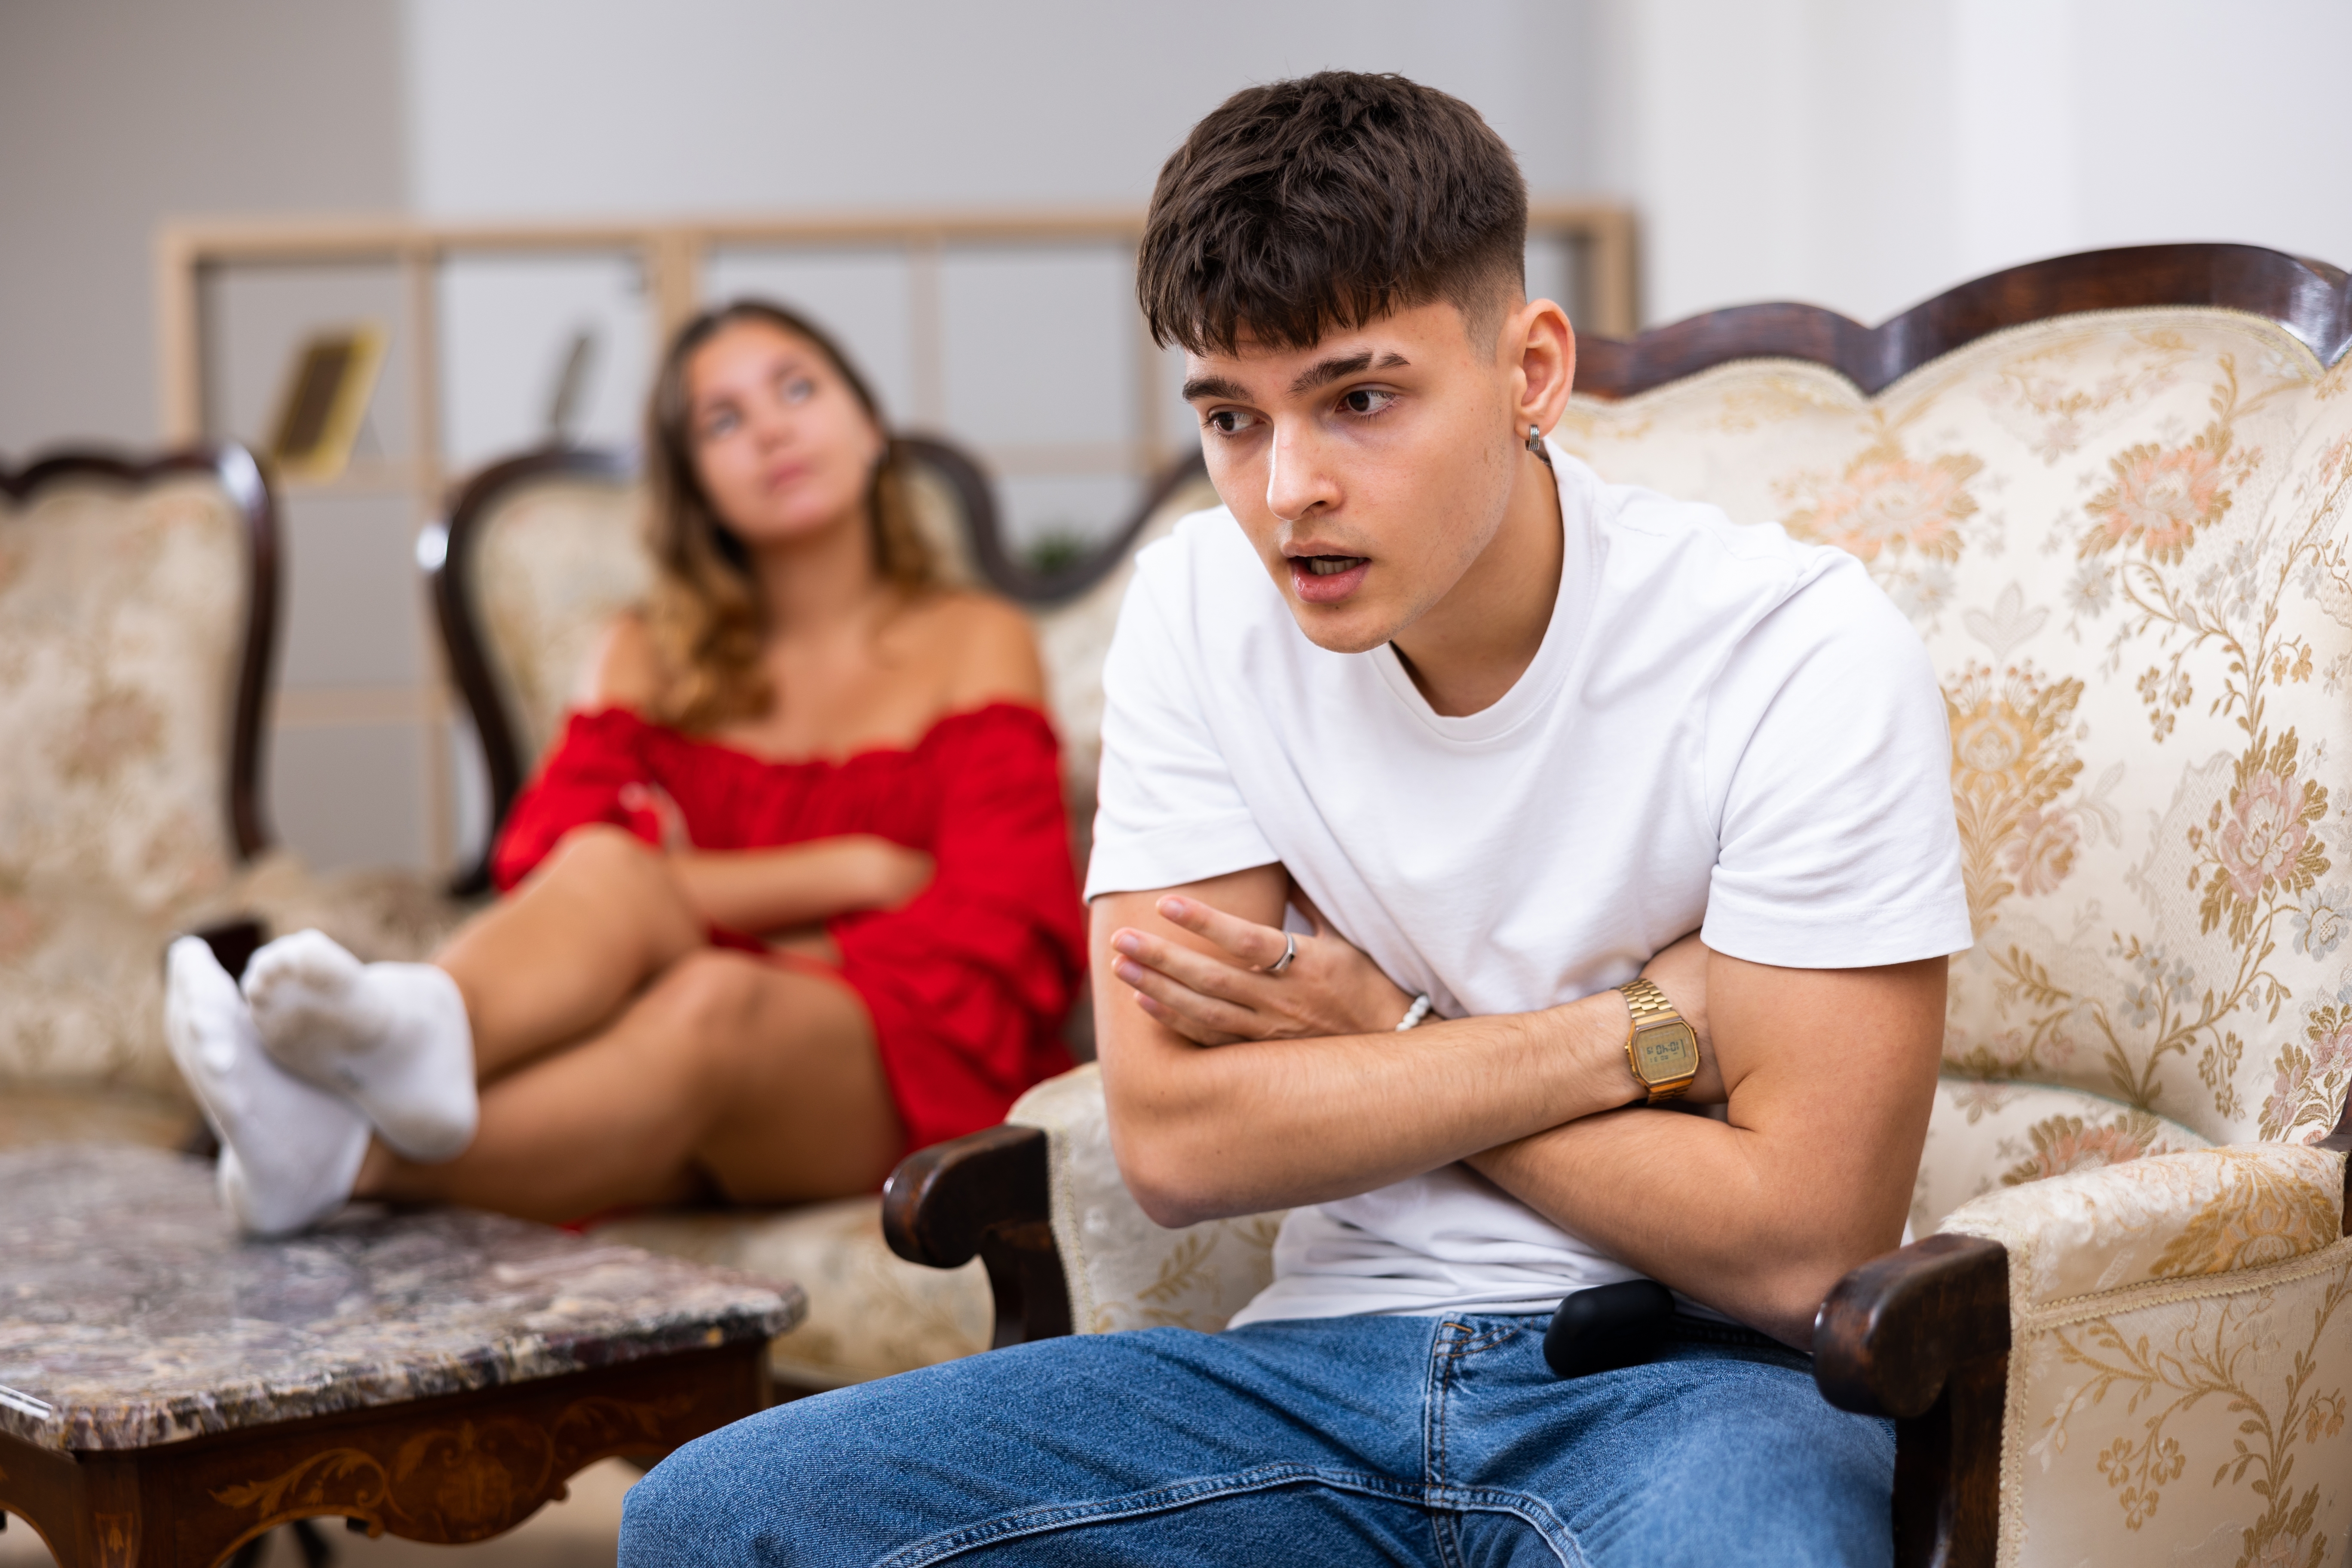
[(1327, 202)]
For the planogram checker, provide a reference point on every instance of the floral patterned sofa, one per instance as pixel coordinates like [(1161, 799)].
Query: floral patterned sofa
[(2111, 492), (538, 554), (138, 604)]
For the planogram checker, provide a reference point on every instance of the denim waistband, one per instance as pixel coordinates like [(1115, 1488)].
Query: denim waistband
[(1682, 1330), (1686, 1327), (1734, 1336)]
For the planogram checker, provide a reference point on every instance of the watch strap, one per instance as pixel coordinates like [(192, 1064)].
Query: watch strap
[(1647, 1003)]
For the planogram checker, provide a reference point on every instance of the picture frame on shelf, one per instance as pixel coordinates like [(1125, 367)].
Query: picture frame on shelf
[(328, 388)]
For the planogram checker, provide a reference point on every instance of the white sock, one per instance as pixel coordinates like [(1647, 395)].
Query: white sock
[(393, 1037), (290, 1151)]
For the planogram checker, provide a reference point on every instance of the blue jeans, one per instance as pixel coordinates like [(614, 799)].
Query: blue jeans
[(1336, 1440)]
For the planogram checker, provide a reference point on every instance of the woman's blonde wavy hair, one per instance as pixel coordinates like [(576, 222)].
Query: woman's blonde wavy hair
[(705, 614)]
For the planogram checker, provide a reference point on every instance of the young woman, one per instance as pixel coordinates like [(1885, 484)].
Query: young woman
[(791, 896)]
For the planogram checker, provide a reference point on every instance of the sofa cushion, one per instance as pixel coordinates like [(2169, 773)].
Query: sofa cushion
[(31, 1115), (870, 1312), (2169, 1216), (1987, 1134), (378, 912)]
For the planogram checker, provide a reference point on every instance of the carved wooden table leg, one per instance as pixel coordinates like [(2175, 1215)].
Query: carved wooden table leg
[(42, 1488), (460, 1467)]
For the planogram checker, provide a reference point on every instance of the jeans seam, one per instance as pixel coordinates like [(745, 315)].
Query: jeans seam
[(1488, 1340), (1456, 1341), (1158, 1499), (1442, 1534), (1528, 1509)]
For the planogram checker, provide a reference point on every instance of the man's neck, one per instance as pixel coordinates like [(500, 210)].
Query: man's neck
[(1473, 644)]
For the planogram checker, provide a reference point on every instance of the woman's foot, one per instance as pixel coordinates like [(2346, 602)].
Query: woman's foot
[(393, 1037), (290, 1151)]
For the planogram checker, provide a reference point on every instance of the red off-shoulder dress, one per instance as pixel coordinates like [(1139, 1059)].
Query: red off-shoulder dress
[(967, 985)]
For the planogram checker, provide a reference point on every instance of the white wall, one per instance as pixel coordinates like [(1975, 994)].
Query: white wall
[(579, 107), (116, 113), (1864, 156), (1860, 155), (569, 107)]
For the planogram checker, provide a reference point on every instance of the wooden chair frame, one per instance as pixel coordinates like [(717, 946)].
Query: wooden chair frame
[(248, 487), (1921, 1334)]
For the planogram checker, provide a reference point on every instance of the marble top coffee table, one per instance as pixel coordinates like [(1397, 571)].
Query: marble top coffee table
[(169, 1389)]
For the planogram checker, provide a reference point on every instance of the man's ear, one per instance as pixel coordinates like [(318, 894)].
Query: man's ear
[(1539, 339)]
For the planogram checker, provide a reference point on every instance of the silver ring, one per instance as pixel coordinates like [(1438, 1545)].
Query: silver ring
[(1289, 951)]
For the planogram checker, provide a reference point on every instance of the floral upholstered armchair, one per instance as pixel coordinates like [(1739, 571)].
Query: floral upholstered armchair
[(138, 607), (538, 554), (2114, 494)]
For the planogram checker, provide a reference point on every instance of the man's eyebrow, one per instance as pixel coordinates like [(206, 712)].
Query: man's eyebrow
[(1323, 372), (1319, 374), (1214, 387)]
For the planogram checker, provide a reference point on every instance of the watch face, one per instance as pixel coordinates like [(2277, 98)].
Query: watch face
[(1665, 1052)]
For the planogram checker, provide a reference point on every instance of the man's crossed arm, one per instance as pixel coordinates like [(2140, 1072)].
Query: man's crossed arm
[(1828, 1076)]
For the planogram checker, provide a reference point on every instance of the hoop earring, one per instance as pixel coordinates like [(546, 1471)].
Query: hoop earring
[(1535, 441)]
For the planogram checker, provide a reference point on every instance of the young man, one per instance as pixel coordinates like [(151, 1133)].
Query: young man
[(1516, 733)]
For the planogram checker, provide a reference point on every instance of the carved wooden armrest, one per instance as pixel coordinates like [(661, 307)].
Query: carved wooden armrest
[(1922, 1335), (985, 1194)]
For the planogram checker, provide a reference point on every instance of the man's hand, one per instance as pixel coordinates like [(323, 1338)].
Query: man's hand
[(1216, 997)]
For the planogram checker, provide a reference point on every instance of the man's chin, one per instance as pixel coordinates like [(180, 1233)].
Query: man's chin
[(1348, 627)]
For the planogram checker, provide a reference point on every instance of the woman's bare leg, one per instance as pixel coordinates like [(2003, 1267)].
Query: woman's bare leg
[(564, 952), (728, 1071)]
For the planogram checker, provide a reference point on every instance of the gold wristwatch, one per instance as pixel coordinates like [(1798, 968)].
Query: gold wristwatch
[(1661, 1048)]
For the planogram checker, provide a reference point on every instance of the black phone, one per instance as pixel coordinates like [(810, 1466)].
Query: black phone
[(1608, 1327)]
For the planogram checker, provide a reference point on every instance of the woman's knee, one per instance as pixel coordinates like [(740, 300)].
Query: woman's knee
[(603, 865), (598, 851), (710, 1001)]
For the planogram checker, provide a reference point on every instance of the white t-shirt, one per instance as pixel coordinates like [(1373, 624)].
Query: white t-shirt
[(1721, 725)]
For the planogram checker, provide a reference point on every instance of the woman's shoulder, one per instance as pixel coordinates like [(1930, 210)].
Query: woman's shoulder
[(981, 646), (625, 670)]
